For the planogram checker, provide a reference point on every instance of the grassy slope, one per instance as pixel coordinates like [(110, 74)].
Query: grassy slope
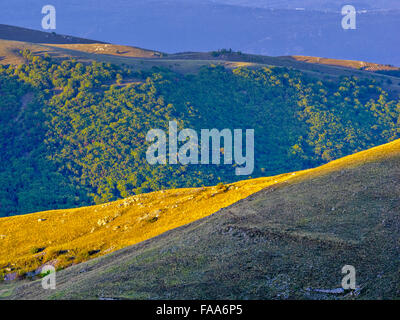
[(110, 49), (8, 32), (293, 235), (135, 58)]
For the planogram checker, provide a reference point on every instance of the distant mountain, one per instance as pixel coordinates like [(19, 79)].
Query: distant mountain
[(173, 26)]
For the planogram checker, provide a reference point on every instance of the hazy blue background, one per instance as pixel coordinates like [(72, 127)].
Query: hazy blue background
[(254, 26)]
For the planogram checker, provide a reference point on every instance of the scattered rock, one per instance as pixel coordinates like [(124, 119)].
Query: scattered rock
[(104, 221), (151, 217)]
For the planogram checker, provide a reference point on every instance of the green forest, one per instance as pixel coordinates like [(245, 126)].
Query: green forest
[(73, 134)]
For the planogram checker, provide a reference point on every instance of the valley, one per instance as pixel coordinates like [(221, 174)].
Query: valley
[(287, 241), (77, 191)]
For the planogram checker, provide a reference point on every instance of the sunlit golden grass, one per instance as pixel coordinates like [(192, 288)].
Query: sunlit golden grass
[(66, 237)]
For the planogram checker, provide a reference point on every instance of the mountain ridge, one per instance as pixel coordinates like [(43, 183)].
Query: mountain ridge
[(14, 33), (73, 121)]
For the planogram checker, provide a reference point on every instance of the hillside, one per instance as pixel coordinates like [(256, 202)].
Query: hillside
[(14, 33), (14, 39), (178, 26), (287, 241), (73, 133)]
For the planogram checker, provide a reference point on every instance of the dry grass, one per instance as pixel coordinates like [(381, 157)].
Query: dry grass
[(66, 237), (9, 51), (135, 58), (110, 49)]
